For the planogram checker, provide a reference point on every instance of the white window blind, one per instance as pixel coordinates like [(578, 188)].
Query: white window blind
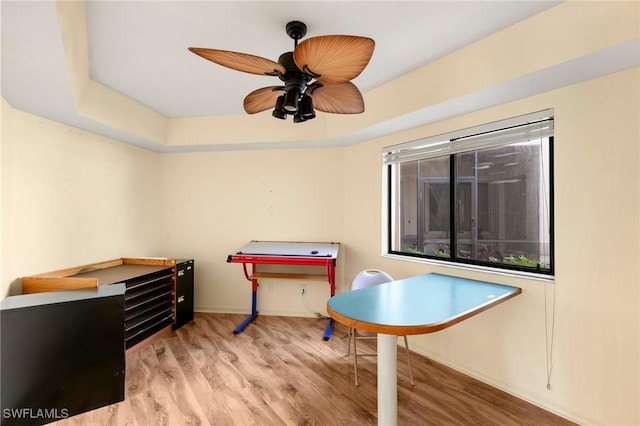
[(513, 130)]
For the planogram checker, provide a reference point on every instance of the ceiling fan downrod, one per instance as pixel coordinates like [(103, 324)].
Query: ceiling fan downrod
[(296, 30)]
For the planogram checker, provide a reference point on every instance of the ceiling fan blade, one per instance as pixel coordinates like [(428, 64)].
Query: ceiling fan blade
[(338, 98), (240, 61), (262, 99), (336, 58)]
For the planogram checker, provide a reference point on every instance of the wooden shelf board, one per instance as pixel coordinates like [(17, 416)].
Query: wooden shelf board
[(286, 276)]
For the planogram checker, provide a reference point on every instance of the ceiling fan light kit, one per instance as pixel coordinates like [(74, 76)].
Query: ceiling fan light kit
[(316, 75), (278, 111)]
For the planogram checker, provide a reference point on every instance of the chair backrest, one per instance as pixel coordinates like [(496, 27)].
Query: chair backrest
[(369, 278)]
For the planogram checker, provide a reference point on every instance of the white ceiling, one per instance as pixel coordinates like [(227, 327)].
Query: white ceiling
[(139, 48)]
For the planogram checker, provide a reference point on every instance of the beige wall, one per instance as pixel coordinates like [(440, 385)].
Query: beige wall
[(595, 376), (219, 201), (70, 198)]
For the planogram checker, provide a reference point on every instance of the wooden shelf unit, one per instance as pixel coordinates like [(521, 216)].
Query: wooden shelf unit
[(149, 298)]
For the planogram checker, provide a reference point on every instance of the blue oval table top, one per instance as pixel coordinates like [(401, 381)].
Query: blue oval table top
[(417, 305)]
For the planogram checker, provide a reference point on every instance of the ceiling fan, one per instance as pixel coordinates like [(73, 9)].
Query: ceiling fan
[(317, 74)]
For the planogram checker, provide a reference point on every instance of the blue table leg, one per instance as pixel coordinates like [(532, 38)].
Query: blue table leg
[(327, 332), (254, 313)]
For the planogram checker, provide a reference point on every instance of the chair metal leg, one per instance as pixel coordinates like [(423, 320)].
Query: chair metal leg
[(352, 336), (406, 346), (355, 358)]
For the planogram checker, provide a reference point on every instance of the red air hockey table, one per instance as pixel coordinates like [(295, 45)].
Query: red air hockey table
[(285, 253)]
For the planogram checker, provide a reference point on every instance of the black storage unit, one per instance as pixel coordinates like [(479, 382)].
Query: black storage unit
[(184, 292), (148, 305), (62, 353), (148, 300)]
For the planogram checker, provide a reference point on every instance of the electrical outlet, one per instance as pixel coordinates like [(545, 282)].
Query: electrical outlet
[(270, 287), (303, 288)]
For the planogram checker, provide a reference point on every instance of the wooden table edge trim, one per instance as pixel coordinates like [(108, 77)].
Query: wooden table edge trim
[(405, 330)]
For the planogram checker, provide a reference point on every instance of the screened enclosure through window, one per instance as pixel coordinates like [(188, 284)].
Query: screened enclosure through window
[(480, 196)]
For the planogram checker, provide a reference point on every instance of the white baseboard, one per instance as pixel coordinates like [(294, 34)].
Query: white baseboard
[(267, 312)]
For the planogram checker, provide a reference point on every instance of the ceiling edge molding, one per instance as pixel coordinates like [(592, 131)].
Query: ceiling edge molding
[(94, 100), (115, 115)]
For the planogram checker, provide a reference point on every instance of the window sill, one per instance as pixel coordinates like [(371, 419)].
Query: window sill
[(475, 268)]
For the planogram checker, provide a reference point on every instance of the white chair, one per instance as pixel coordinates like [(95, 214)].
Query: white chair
[(364, 279)]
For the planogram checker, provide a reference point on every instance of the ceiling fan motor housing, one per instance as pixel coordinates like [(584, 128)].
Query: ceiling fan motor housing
[(287, 61)]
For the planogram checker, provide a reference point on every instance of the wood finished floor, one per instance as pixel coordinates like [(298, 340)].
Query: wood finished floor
[(279, 371)]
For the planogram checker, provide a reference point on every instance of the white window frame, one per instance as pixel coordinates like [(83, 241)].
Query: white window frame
[(539, 124)]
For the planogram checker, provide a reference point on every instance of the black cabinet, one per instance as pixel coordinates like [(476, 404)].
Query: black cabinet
[(148, 305), (62, 353), (149, 297), (184, 292), (148, 300)]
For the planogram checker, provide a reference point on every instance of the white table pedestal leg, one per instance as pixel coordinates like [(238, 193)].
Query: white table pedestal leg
[(387, 380)]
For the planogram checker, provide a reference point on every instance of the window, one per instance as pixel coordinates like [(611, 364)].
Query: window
[(480, 196)]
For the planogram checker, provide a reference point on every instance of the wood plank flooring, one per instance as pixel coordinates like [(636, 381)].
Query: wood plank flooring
[(279, 371)]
